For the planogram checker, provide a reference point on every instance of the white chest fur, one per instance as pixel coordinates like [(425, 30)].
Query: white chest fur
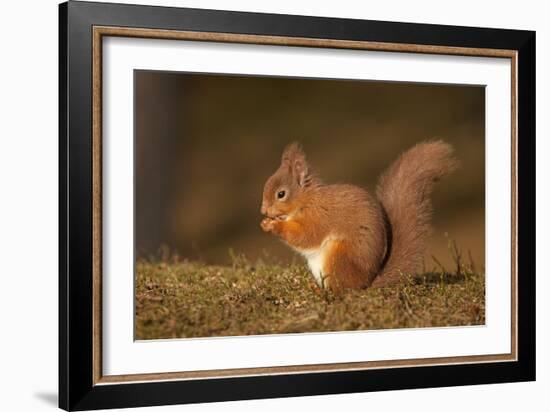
[(316, 260)]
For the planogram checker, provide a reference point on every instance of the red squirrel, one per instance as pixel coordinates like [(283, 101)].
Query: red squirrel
[(350, 238)]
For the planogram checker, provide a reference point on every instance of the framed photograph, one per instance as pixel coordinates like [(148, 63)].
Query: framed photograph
[(256, 205)]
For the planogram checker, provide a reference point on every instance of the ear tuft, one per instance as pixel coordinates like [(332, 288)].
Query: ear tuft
[(295, 158), (292, 151)]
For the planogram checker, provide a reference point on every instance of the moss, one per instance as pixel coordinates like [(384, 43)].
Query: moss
[(178, 299)]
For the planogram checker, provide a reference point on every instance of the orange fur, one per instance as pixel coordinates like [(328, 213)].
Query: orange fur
[(351, 239), (293, 233), (341, 270)]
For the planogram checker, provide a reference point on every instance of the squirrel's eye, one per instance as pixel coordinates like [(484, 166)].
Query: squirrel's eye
[(281, 194)]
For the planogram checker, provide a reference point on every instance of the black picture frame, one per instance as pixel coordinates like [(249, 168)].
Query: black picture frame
[(77, 390)]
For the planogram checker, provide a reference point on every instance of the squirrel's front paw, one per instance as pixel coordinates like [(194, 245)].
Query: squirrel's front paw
[(267, 224)]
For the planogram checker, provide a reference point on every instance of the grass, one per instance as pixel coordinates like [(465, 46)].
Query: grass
[(181, 299)]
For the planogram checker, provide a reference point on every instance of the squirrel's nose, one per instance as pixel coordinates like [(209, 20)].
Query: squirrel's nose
[(263, 210)]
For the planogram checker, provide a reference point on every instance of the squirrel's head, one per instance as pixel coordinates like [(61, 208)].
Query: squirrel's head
[(284, 188)]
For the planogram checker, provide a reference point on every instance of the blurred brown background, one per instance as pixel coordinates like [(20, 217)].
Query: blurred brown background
[(205, 145)]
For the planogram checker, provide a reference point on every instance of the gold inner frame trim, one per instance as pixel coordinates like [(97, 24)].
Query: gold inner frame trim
[(100, 31)]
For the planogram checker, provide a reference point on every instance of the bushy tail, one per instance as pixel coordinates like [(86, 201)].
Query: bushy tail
[(404, 191)]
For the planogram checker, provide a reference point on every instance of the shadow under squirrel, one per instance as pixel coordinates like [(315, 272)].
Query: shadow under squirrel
[(350, 238)]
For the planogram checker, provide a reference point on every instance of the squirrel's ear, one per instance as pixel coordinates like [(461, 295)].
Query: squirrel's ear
[(300, 171), (295, 159), (292, 150)]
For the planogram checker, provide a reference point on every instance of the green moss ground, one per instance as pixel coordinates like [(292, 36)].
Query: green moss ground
[(178, 299)]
